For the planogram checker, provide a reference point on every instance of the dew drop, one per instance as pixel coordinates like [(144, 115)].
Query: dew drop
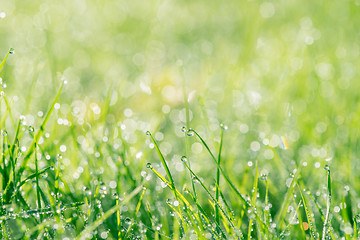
[(148, 165), (223, 126), (115, 196), (12, 51), (87, 191), (183, 159), (263, 177), (195, 180), (190, 132), (148, 133), (127, 220), (4, 132), (31, 129), (326, 167), (59, 157), (183, 129), (186, 190)]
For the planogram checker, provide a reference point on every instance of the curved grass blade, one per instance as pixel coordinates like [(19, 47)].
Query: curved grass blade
[(171, 180)]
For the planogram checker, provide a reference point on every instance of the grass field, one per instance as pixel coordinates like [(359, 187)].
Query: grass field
[(179, 119)]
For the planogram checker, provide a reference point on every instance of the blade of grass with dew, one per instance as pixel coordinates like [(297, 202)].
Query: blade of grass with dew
[(90, 228), (326, 227), (267, 208), (308, 213), (40, 132), (118, 219), (162, 159), (355, 236), (36, 170), (253, 199), (168, 173), (187, 147), (11, 51), (9, 110), (227, 179), (218, 176)]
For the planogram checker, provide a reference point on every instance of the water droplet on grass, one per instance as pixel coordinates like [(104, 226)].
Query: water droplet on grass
[(31, 129), (4, 132), (183, 159), (190, 132), (223, 126), (12, 51), (326, 167), (148, 165), (183, 129), (148, 133), (87, 191), (115, 196)]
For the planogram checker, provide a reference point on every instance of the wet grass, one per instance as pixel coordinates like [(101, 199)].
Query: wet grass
[(43, 203), (236, 120)]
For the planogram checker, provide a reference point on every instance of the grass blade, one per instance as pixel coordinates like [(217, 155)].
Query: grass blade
[(40, 132), (11, 51), (326, 227)]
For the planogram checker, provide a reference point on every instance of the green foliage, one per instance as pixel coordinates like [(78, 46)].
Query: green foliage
[(90, 78)]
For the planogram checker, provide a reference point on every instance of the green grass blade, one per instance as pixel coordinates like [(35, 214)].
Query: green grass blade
[(254, 197), (326, 227), (11, 51), (217, 219), (162, 160), (39, 134), (308, 213)]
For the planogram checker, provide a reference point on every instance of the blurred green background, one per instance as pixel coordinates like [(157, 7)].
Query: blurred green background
[(271, 71)]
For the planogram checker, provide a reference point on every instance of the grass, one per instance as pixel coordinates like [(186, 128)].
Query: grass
[(179, 120)]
